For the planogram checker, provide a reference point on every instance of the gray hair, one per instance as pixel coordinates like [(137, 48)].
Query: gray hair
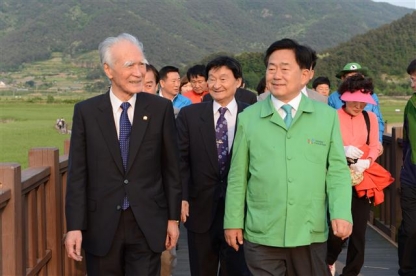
[(105, 46)]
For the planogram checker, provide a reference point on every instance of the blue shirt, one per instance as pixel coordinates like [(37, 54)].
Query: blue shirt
[(335, 101), (180, 101)]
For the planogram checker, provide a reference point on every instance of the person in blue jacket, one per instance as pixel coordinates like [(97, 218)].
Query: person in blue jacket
[(334, 100)]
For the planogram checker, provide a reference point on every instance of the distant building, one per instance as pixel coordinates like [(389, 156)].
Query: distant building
[(2, 84)]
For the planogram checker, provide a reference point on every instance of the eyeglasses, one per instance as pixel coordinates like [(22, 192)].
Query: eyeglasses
[(412, 81)]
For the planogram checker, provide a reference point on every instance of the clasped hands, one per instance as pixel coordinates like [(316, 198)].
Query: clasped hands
[(355, 153)]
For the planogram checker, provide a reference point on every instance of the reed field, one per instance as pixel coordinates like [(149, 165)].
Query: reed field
[(29, 121)]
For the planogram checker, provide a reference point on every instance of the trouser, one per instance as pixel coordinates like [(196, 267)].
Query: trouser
[(130, 254), (209, 253), (360, 209), (407, 231), (265, 260)]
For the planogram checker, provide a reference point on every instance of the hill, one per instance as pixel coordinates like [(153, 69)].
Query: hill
[(386, 51), (179, 32)]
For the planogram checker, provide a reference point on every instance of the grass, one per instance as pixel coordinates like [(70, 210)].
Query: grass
[(28, 122)]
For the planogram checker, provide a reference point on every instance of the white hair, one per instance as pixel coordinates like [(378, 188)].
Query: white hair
[(105, 46)]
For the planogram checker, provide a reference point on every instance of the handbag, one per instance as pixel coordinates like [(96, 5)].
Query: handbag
[(356, 177)]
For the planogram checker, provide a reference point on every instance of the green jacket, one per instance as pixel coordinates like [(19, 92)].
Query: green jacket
[(287, 178), (408, 172)]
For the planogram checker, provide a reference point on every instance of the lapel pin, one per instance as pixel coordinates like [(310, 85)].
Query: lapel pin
[(145, 118)]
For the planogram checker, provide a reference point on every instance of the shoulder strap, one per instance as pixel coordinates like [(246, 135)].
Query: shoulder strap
[(367, 122)]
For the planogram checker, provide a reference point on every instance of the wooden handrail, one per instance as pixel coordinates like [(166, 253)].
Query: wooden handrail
[(32, 215)]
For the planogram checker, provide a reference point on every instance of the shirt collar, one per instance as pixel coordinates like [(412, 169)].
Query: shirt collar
[(116, 102), (294, 103), (304, 91), (173, 99), (231, 106)]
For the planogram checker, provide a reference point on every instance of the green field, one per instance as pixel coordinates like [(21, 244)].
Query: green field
[(29, 122)]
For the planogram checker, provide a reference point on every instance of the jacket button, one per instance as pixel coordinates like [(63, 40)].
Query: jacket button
[(126, 181), (118, 207)]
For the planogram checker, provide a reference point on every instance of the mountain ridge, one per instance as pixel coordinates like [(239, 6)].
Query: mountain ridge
[(180, 32)]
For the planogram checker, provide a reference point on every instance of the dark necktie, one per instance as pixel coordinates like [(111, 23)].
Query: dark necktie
[(124, 138), (288, 119), (221, 135)]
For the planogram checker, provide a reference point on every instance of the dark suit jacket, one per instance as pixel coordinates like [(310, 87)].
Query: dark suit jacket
[(241, 95), (201, 181), (97, 182)]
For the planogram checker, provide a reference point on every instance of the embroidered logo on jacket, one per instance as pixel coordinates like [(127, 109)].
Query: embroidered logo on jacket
[(316, 142)]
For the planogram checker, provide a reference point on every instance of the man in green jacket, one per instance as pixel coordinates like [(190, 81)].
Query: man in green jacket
[(288, 168)]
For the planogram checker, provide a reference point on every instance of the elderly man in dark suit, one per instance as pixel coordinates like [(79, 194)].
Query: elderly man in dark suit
[(124, 191), (206, 133)]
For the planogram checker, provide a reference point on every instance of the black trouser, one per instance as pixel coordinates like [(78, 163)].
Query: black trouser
[(407, 231), (209, 251), (305, 260), (360, 209), (130, 254)]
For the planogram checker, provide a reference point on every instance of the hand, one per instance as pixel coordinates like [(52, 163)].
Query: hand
[(380, 149), (172, 234), (184, 210), (353, 152), (234, 237), (361, 165), (73, 240), (341, 228)]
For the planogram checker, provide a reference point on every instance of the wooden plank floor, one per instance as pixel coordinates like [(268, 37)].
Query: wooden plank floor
[(380, 257)]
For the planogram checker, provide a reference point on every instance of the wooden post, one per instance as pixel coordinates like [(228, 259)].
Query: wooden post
[(50, 157), (66, 146), (11, 218)]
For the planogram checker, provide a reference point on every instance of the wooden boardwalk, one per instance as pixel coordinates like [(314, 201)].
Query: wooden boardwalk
[(380, 257)]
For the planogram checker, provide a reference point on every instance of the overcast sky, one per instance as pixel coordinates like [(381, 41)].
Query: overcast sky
[(402, 3)]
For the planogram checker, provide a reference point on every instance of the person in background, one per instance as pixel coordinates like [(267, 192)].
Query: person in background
[(205, 134), (407, 229), (279, 189), (151, 79), (123, 197), (359, 130), (196, 76), (322, 85), (169, 88), (168, 257), (334, 100), (261, 86), (185, 85)]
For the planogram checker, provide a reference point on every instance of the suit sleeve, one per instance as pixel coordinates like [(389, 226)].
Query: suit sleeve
[(184, 160), (237, 181), (76, 192), (376, 110), (338, 179), (170, 164), (374, 136)]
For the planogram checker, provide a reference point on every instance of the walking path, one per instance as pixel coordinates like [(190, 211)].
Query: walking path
[(380, 256)]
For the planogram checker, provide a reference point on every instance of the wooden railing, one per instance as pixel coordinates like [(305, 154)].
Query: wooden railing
[(32, 221), (387, 216)]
